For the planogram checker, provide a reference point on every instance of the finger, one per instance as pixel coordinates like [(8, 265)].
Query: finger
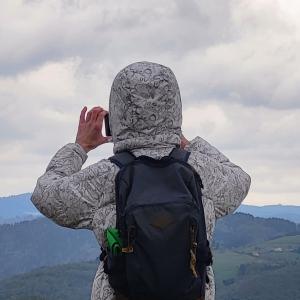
[(82, 114), (88, 116), (107, 139), (100, 118), (97, 108), (95, 114), (91, 112), (101, 115)]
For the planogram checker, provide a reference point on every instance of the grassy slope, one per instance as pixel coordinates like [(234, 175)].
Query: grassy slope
[(271, 275), (280, 284), (226, 264)]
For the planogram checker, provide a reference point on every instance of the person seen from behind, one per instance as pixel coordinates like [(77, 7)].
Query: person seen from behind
[(145, 114)]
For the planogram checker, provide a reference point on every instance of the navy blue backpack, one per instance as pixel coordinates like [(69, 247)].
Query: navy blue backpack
[(161, 222)]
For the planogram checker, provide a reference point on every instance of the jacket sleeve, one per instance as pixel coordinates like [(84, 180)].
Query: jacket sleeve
[(68, 195), (225, 183)]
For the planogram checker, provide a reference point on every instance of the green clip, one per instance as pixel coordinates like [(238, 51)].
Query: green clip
[(113, 240)]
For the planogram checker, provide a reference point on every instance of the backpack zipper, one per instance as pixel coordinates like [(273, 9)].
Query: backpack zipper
[(132, 207), (130, 237), (193, 249)]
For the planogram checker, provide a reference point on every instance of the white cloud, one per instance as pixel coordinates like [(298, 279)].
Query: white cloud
[(236, 63), (263, 141)]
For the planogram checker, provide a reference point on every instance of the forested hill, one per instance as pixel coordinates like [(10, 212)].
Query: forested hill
[(266, 271), (242, 229), (32, 244)]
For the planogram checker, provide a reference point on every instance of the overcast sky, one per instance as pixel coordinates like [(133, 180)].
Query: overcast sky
[(237, 64)]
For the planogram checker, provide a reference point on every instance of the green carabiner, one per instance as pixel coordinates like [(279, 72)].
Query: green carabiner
[(113, 240)]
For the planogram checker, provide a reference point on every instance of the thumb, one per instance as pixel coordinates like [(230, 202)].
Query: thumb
[(107, 139)]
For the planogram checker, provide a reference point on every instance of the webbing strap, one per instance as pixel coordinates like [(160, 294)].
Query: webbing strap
[(125, 157), (122, 158), (180, 154)]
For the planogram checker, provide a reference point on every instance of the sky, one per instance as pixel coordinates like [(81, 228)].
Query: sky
[(237, 63)]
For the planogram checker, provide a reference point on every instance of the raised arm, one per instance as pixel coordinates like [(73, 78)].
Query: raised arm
[(65, 193), (225, 183), (68, 195)]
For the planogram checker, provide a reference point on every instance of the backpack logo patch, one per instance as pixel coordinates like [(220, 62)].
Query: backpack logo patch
[(162, 220)]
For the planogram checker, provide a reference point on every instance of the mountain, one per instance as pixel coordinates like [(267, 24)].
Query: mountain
[(32, 244), (257, 272), (62, 282), (242, 229), (288, 212), (17, 208)]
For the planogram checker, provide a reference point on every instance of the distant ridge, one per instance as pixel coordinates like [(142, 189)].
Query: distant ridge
[(288, 212), (41, 242), (17, 208)]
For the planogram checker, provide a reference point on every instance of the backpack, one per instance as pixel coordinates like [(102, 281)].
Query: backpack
[(160, 220)]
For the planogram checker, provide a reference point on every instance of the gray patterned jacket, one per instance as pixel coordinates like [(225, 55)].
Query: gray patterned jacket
[(145, 115)]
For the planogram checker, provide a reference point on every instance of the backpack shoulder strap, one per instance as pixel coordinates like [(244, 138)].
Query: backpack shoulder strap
[(180, 154), (122, 158)]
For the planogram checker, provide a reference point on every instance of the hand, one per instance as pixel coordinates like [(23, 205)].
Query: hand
[(183, 142), (89, 134)]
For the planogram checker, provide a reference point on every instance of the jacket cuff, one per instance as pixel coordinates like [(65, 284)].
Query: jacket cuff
[(193, 144), (79, 150)]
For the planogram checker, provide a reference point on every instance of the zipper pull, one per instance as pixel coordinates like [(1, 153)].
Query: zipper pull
[(193, 250), (130, 236)]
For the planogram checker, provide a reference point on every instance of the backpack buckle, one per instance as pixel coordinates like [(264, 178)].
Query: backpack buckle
[(128, 249)]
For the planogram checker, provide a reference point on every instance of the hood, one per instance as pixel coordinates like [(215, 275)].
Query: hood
[(145, 107)]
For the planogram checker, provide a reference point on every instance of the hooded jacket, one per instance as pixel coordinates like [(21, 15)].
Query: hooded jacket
[(145, 117)]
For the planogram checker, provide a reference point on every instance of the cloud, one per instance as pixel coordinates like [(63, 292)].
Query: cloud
[(105, 30), (236, 63), (257, 66), (263, 141)]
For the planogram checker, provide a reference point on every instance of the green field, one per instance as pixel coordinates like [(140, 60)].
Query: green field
[(262, 271), (227, 263)]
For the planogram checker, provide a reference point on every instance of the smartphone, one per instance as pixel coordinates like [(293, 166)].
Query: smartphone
[(107, 128)]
